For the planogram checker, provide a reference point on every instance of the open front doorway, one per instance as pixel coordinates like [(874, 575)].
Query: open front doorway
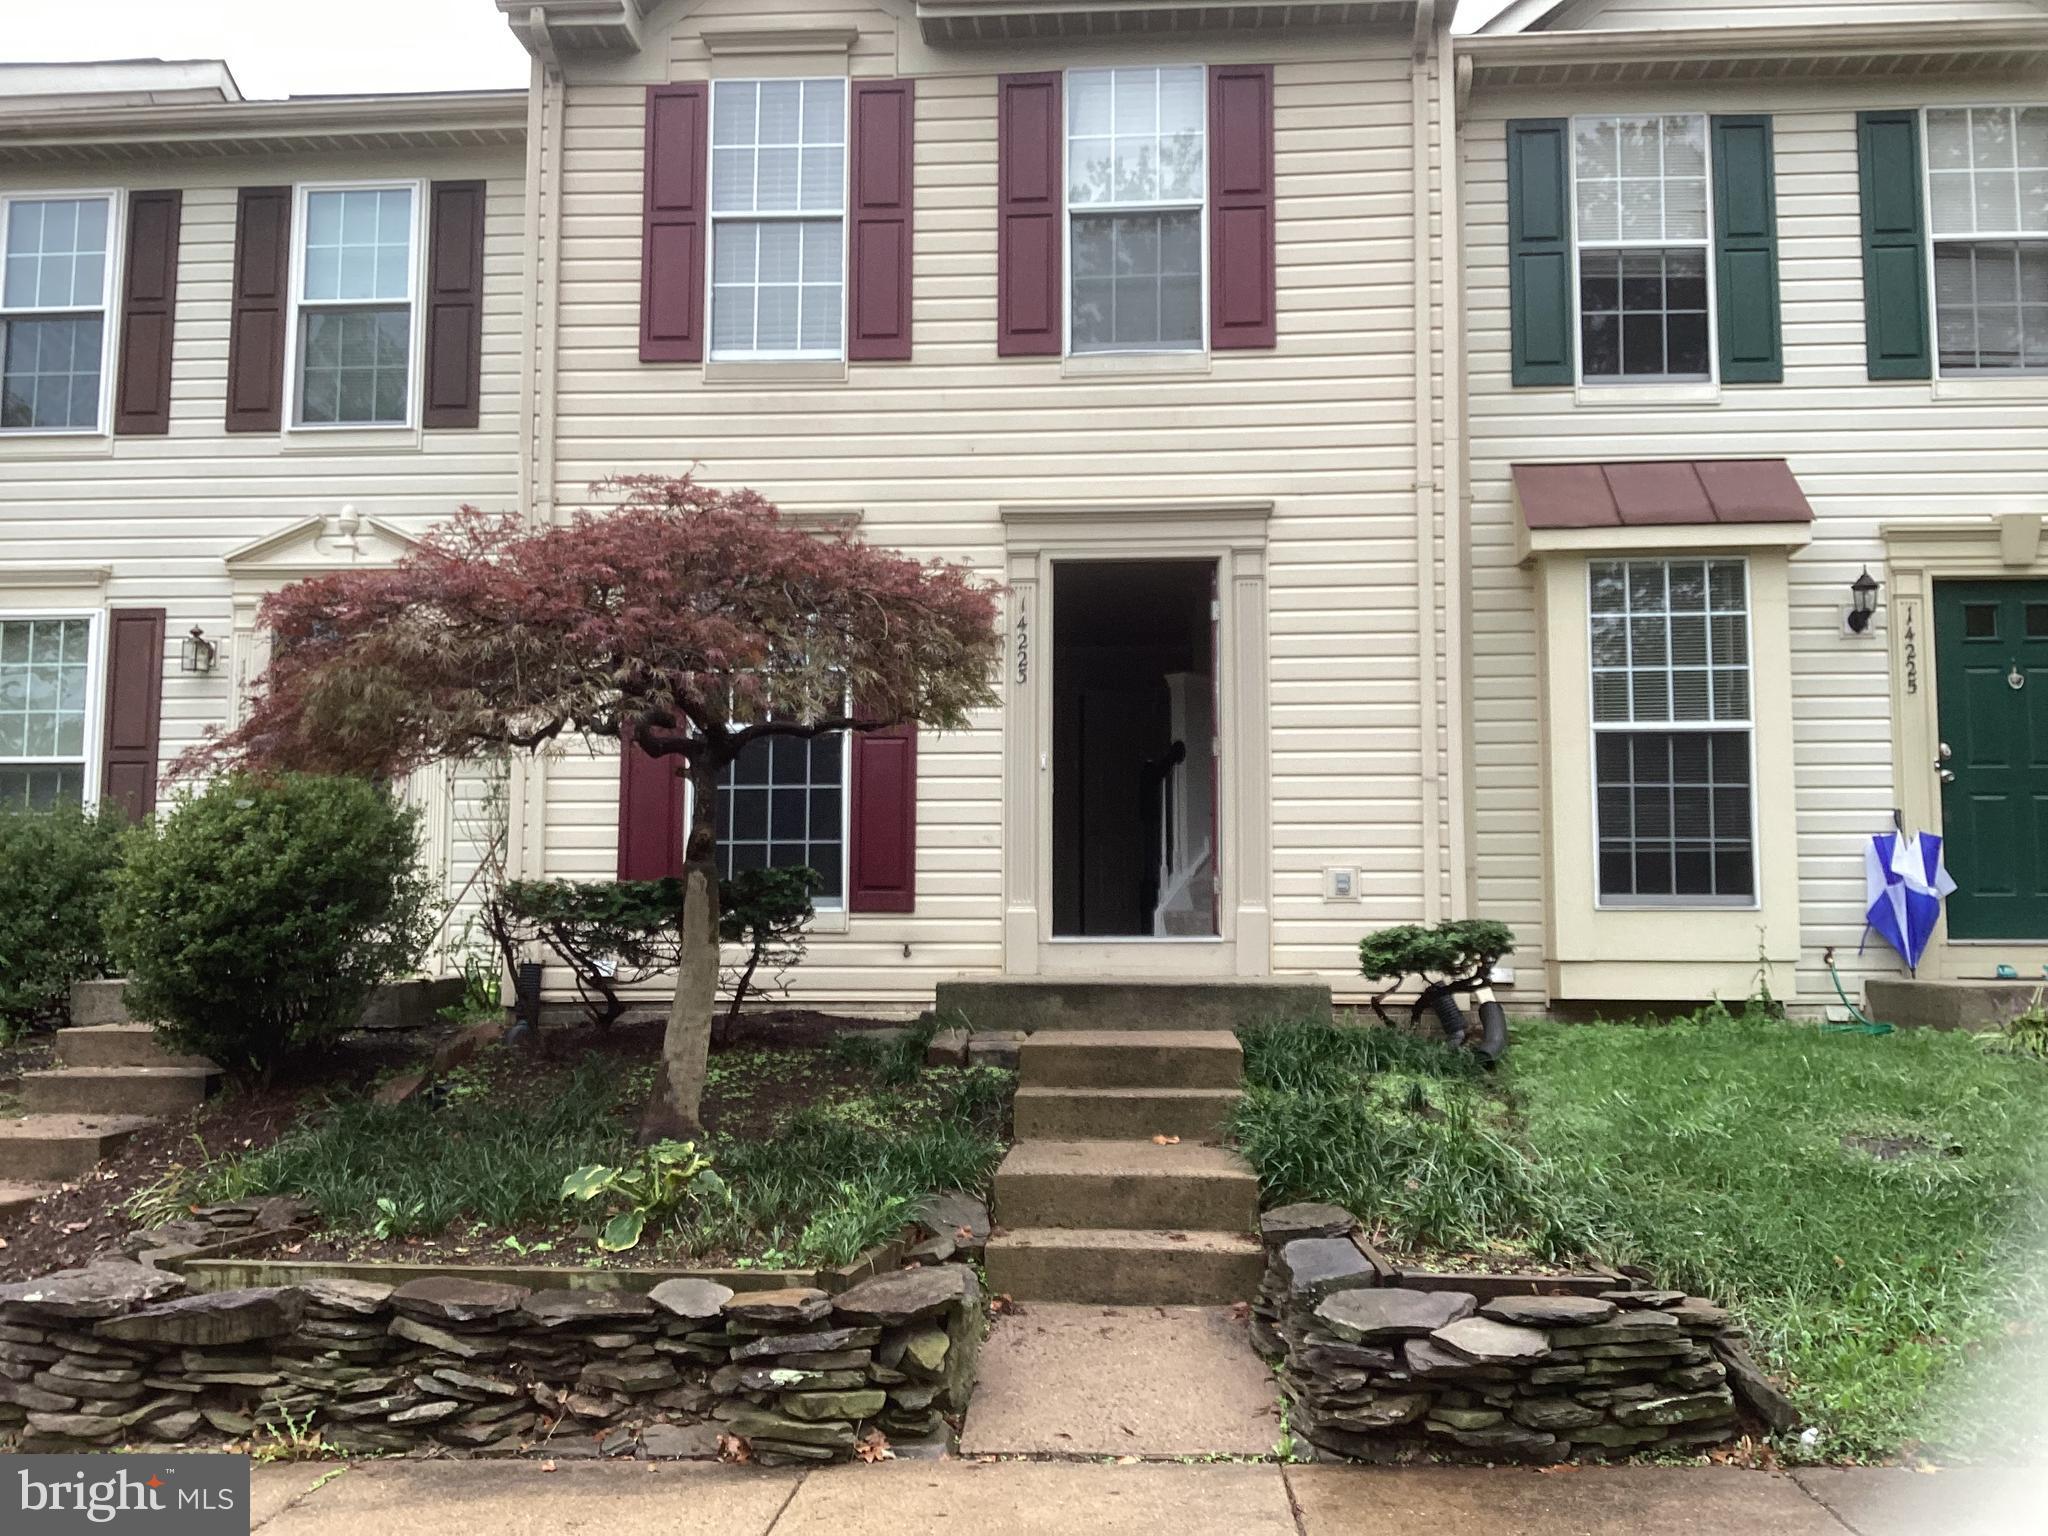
[(1135, 750)]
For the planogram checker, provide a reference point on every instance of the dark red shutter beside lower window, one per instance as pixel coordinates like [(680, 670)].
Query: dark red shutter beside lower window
[(135, 695), (149, 301), (1030, 209), (263, 242), (455, 305), (673, 223), (1243, 289), (882, 860), (651, 799), (878, 296)]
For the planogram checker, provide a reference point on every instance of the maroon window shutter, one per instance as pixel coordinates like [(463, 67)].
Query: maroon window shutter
[(672, 243), (1030, 203), (650, 815), (135, 698), (882, 861), (1242, 286), (263, 244), (878, 298), (455, 305), (149, 299)]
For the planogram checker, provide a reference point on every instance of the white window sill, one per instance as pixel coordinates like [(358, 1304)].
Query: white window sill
[(2027, 387), (730, 371), (346, 439), (829, 921), (55, 443), (1093, 365), (1632, 397)]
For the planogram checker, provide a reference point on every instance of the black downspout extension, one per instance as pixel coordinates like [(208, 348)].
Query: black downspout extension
[(1442, 1000)]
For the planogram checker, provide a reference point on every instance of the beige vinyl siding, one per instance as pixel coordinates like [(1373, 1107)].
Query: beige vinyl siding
[(163, 511), (1620, 15), (1866, 453), (929, 451)]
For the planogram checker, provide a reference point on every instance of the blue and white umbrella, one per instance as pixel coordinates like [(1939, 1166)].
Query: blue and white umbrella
[(1904, 884)]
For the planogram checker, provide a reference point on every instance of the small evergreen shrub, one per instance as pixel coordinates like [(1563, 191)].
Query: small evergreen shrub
[(56, 870), (610, 933), (260, 917)]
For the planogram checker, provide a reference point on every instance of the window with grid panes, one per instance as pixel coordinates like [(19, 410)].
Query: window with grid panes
[(778, 219), (1137, 177), (357, 259), (782, 805), (1674, 803), (1987, 191), (45, 673), (1640, 190), (55, 279)]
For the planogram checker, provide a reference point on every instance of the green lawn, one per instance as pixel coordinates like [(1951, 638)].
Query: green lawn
[(1873, 1207)]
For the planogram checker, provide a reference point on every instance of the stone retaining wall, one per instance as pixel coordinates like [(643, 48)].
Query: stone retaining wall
[(1373, 1372), (117, 1353)]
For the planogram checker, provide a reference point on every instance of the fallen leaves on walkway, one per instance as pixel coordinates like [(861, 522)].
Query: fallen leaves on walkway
[(874, 1446), (1165, 1141), (734, 1451)]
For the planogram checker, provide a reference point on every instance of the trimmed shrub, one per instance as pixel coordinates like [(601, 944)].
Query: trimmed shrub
[(260, 917), (59, 865)]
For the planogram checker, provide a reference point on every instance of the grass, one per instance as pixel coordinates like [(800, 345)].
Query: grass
[(1872, 1207), (812, 1185)]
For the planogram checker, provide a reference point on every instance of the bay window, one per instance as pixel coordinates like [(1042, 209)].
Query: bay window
[(1137, 178), (1987, 185), (55, 294), (1672, 720), (778, 219)]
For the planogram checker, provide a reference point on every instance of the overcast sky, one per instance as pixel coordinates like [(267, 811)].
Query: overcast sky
[(283, 48)]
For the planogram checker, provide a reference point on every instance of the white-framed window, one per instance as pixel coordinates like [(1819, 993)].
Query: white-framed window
[(355, 332), (57, 262), (1643, 237), (778, 219), (1137, 209), (49, 687), (1987, 200), (1673, 775), (784, 803)]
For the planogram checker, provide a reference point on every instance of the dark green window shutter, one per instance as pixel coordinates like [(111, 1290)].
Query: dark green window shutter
[(1746, 252), (1540, 250), (1894, 246)]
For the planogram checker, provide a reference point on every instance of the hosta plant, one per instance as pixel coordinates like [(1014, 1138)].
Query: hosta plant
[(659, 1182)]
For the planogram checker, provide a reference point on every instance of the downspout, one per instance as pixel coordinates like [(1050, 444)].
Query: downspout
[(1453, 88), (1429, 712)]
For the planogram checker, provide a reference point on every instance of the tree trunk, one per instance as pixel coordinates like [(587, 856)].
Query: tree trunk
[(675, 1110)]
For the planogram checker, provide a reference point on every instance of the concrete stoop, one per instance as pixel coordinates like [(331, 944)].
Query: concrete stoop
[(1028, 1004), (52, 1148), (1116, 1192), (1950, 1004)]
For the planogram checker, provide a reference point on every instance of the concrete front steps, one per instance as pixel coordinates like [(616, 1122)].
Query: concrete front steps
[(1035, 1003), (1115, 1191), (111, 1080)]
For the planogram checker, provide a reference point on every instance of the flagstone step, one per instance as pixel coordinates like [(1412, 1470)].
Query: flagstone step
[(1122, 1267), (1110, 1114), (1126, 1185), (118, 1045), (154, 1091), (1131, 1058), (36, 1148)]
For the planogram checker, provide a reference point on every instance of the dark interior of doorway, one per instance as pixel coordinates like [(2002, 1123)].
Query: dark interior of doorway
[(1134, 741)]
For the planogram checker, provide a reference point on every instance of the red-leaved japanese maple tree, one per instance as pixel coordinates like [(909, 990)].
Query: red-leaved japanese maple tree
[(688, 619)]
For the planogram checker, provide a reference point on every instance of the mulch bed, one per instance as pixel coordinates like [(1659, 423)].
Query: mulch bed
[(87, 1218)]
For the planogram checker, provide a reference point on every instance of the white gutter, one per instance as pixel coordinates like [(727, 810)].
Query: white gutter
[(1457, 514), (1830, 40), (1429, 712)]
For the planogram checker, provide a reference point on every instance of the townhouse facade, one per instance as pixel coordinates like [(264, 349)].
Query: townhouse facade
[(1428, 475)]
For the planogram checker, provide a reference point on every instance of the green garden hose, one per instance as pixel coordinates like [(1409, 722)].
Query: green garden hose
[(1864, 1025)]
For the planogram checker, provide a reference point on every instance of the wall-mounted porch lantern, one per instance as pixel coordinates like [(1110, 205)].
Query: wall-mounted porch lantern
[(196, 653), (1862, 603)]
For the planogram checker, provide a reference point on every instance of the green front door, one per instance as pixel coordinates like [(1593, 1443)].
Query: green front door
[(1991, 656)]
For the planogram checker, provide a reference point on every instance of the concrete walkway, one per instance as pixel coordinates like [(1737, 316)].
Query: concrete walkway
[(518, 1498)]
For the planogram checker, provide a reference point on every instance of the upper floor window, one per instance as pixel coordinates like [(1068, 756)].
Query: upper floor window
[(1137, 177), (54, 297), (1644, 248), (778, 219), (1987, 185), (45, 688), (357, 274), (1669, 641)]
